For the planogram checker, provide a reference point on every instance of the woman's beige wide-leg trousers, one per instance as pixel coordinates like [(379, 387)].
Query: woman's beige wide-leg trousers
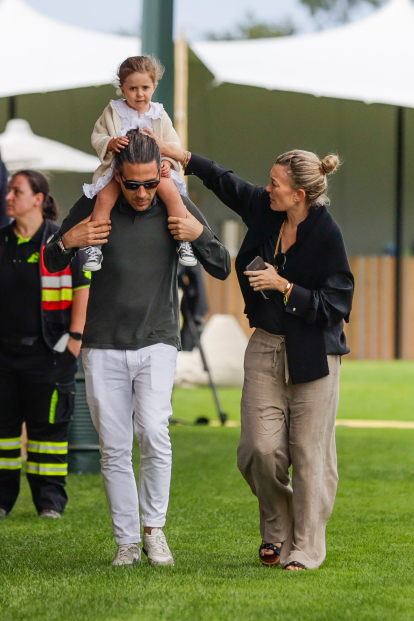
[(281, 425)]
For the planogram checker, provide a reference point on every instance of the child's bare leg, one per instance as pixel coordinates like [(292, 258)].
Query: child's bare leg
[(169, 194), (105, 200)]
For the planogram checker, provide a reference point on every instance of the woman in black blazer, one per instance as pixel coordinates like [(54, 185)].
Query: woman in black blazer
[(292, 362)]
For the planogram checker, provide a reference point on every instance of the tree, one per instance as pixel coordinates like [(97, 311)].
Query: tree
[(327, 12), (251, 28)]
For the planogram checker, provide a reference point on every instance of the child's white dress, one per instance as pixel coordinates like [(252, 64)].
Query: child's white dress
[(130, 119)]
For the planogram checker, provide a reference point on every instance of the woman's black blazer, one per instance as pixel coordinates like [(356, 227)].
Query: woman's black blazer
[(322, 296)]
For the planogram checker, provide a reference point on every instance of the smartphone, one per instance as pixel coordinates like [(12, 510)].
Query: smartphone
[(254, 266)]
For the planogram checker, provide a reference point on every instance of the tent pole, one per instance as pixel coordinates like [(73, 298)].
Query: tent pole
[(157, 39), (399, 179), (12, 107)]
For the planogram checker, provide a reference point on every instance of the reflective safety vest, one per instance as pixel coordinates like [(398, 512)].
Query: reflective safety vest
[(57, 290)]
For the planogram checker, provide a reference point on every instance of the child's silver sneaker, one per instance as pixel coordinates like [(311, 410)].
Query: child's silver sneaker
[(186, 254), (95, 258)]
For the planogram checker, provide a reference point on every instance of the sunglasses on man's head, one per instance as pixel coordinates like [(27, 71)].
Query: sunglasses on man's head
[(135, 185), (279, 261)]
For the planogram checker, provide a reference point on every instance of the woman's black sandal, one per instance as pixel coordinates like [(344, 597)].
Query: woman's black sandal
[(270, 559), (295, 564)]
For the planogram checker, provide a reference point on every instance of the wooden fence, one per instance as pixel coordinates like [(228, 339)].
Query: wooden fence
[(370, 333)]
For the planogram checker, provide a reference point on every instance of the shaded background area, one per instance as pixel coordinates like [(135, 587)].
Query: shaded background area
[(246, 128)]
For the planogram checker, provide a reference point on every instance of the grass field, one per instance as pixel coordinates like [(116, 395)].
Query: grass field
[(60, 570), (369, 390)]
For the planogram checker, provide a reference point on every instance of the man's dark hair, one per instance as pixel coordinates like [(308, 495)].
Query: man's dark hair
[(142, 149)]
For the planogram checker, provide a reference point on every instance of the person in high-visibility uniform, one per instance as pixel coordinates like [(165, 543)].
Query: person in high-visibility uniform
[(41, 323)]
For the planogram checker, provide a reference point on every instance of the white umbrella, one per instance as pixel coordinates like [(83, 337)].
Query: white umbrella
[(21, 148)]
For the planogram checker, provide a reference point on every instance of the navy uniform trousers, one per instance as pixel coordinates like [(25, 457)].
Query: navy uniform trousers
[(38, 389)]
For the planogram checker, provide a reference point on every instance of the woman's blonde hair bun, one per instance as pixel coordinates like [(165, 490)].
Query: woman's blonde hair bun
[(307, 172), (330, 163)]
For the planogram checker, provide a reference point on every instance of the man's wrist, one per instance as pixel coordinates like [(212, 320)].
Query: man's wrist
[(66, 242), (204, 238), (62, 246)]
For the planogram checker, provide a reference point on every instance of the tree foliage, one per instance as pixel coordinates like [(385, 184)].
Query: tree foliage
[(339, 11), (325, 13), (252, 28)]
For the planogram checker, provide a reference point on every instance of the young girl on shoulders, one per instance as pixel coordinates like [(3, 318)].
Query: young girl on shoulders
[(138, 78)]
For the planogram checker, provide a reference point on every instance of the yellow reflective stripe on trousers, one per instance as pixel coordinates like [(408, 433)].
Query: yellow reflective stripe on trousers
[(47, 469), (53, 404), (55, 448), (7, 444), (13, 463)]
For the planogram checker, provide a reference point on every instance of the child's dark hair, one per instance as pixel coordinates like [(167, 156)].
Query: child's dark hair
[(141, 149), (141, 64), (40, 185)]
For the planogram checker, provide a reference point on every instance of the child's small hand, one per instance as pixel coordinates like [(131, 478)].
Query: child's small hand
[(166, 168), (118, 143)]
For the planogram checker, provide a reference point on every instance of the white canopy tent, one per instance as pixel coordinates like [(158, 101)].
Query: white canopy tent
[(21, 148), (40, 54), (370, 60)]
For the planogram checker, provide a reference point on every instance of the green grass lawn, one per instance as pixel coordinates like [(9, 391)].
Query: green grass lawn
[(369, 390), (60, 570)]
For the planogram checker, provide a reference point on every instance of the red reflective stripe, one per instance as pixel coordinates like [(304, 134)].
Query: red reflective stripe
[(61, 304), (45, 272), (56, 305)]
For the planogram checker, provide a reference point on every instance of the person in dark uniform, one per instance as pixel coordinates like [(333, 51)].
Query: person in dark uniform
[(41, 323), (4, 218)]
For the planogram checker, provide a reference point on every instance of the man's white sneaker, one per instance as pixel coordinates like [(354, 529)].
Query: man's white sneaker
[(156, 548), (127, 554), (95, 258), (185, 254), (3, 513)]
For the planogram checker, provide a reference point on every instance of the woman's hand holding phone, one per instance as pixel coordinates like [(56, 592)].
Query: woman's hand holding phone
[(263, 276)]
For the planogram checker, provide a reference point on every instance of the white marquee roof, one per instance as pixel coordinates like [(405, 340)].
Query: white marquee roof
[(369, 60), (21, 148), (39, 54)]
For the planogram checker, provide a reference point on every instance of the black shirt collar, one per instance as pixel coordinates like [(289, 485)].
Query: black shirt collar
[(35, 239)]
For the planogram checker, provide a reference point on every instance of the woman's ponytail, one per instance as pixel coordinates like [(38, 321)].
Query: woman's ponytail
[(50, 210), (40, 185)]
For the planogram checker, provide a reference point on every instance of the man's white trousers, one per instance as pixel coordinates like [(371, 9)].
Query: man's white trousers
[(125, 389)]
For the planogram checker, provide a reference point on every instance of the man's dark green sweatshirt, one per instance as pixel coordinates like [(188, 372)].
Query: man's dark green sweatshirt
[(133, 299)]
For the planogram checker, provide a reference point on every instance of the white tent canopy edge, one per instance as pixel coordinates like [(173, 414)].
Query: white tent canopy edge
[(40, 54), (369, 60)]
